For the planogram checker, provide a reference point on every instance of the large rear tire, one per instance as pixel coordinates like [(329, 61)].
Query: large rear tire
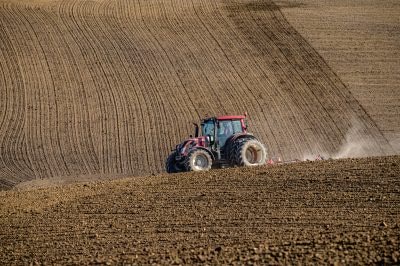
[(173, 166), (231, 150), (198, 160), (249, 152)]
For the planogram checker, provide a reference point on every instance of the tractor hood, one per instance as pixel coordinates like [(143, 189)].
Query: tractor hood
[(184, 147)]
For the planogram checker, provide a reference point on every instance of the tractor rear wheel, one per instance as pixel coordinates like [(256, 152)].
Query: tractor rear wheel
[(171, 165), (250, 152), (231, 150), (198, 160)]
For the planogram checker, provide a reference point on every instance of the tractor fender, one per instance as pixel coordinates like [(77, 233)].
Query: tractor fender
[(231, 140), (186, 146), (241, 136)]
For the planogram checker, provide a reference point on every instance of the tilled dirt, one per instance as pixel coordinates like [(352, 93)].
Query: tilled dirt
[(110, 87), (98, 90), (334, 211), (358, 40)]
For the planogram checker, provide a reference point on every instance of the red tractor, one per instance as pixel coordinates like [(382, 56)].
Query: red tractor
[(223, 141)]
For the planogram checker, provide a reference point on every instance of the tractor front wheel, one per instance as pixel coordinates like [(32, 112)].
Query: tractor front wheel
[(171, 165), (198, 160)]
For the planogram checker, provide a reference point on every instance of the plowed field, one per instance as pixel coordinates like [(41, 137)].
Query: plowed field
[(107, 88), (93, 90), (331, 212), (359, 39)]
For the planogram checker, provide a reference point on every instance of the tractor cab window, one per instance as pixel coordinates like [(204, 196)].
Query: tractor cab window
[(208, 128), (237, 126), (225, 130)]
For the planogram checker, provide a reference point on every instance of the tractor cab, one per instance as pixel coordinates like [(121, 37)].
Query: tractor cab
[(218, 129)]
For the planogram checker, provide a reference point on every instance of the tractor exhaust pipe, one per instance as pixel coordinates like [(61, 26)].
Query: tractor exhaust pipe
[(196, 130)]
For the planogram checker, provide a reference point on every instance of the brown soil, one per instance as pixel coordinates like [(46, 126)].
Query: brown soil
[(359, 39), (98, 90), (335, 211), (109, 87)]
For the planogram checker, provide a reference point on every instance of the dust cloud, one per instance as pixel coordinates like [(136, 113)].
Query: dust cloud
[(357, 143)]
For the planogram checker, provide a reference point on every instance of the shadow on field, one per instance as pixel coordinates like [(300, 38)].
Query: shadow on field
[(266, 5)]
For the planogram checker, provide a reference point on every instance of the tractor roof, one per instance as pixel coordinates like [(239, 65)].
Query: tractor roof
[(225, 117), (231, 117)]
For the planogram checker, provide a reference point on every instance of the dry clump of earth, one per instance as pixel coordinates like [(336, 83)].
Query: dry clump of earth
[(328, 212)]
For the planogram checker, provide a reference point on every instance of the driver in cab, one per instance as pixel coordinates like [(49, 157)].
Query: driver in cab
[(225, 130)]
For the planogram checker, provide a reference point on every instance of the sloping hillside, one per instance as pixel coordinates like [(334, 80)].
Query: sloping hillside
[(109, 87), (359, 39)]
